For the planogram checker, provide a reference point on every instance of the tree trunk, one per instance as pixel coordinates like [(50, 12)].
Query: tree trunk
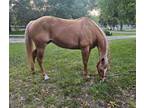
[(10, 29), (113, 27), (121, 26)]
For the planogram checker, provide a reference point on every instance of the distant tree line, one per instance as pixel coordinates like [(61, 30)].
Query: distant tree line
[(22, 11), (112, 12), (117, 12)]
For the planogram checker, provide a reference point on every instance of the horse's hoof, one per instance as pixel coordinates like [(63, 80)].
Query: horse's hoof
[(32, 72), (87, 77), (46, 77)]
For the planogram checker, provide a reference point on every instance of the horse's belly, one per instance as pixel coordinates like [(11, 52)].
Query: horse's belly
[(70, 44)]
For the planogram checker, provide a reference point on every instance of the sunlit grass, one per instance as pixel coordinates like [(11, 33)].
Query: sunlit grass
[(66, 87)]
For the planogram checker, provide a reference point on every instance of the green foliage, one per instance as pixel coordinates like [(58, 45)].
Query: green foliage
[(95, 18), (107, 32), (22, 11), (115, 12), (17, 32), (68, 8), (66, 87)]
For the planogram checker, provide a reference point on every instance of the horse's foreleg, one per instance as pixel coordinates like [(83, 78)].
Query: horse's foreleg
[(85, 57), (40, 55)]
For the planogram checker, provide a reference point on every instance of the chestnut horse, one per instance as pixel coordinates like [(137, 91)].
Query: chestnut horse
[(82, 33)]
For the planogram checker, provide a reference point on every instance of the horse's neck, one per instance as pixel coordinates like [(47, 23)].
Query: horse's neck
[(102, 42), (103, 48)]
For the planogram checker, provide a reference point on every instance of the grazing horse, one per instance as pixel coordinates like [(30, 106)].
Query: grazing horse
[(82, 33)]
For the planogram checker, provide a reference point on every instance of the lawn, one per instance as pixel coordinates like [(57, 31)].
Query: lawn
[(123, 33), (66, 87), (17, 33)]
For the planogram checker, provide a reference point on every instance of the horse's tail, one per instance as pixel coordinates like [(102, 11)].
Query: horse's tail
[(29, 44)]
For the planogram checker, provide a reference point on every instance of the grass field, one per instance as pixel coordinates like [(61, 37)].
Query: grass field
[(17, 33), (66, 87), (123, 33)]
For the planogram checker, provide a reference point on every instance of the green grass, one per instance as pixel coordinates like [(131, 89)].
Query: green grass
[(123, 33), (66, 87), (17, 33), (131, 30)]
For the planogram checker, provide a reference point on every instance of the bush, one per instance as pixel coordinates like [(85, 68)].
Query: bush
[(108, 32)]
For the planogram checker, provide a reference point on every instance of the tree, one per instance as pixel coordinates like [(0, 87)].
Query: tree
[(69, 8), (22, 11), (117, 11)]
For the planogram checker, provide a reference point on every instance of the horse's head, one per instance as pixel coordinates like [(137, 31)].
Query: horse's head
[(102, 66)]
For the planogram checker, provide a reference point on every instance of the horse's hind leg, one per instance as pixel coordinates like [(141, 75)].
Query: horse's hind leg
[(85, 57), (34, 54), (40, 55)]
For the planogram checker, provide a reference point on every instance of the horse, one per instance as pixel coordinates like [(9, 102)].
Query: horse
[(82, 33)]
